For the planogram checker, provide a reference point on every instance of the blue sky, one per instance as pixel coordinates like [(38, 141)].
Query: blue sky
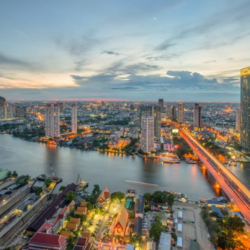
[(133, 50)]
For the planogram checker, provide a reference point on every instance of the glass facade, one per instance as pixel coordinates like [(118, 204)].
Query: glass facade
[(245, 109)]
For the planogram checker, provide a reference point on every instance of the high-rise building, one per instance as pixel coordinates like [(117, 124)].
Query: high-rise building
[(180, 112), (237, 120), (20, 111), (174, 113), (157, 122), (154, 111), (74, 118), (161, 104), (197, 116), (169, 111), (147, 134), (2, 108), (245, 108), (52, 118)]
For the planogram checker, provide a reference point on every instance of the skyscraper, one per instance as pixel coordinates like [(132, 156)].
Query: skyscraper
[(161, 104), (174, 116), (52, 118), (74, 118), (157, 122), (147, 134), (237, 120), (154, 111), (197, 116), (180, 112), (245, 108), (2, 108)]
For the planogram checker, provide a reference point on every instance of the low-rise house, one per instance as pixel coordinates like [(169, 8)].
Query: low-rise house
[(104, 196), (66, 234), (82, 244), (71, 226)]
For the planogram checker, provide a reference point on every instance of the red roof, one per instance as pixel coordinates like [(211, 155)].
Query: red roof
[(45, 227), (48, 240)]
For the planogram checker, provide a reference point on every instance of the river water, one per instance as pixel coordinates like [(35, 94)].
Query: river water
[(108, 170)]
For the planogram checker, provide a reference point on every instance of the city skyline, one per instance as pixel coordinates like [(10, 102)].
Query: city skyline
[(123, 51)]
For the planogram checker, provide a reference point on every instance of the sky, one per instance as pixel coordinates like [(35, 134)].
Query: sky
[(188, 50)]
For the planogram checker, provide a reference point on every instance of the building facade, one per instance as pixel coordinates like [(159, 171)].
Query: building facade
[(74, 118), (169, 111), (237, 120), (174, 114), (147, 134), (161, 104), (180, 112), (245, 109), (197, 116), (52, 118)]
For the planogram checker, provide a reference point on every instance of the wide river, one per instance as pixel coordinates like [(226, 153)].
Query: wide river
[(108, 170)]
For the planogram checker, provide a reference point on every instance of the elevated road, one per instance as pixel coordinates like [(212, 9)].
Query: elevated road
[(231, 185)]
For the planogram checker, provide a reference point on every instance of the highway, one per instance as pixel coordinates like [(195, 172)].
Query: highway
[(231, 185)]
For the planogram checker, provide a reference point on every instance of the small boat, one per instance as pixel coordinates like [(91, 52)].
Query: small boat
[(170, 160), (191, 161)]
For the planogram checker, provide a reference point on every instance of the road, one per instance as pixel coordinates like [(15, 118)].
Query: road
[(236, 191)]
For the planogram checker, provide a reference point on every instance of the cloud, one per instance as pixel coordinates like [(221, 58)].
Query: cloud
[(10, 61), (165, 46), (110, 52)]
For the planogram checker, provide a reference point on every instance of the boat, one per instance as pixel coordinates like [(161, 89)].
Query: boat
[(191, 161), (170, 160)]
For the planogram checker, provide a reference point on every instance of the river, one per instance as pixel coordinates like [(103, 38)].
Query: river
[(107, 170)]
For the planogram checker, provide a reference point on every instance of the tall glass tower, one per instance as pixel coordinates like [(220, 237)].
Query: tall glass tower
[(245, 108)]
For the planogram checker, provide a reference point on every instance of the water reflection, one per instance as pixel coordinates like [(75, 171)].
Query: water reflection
[(106, 169)]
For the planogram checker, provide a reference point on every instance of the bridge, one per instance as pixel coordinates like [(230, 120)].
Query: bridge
[(231, 185)]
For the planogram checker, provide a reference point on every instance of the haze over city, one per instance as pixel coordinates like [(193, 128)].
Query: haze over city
[(128, 50)]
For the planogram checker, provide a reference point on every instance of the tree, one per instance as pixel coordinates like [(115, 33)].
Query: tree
[(61, 188), (170, 199), (148, 197), (47, 182), (14, 174), (70, 196), (155, 230), (96, 190), (117, 196), (39, 190), (9, 174), (235, 224), (89, 206)]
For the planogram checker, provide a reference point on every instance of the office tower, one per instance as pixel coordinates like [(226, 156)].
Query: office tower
[(237, 120), (174, 116), (169, 111), (154, 111), (8, 111), (197, 116), (2, 108), (161, 104), (20, 111), (74, 118), (132, 108), (61, 106), (245, 108), (145, 111), (180, 112), (52, 118), (147, 134), (157, 122)]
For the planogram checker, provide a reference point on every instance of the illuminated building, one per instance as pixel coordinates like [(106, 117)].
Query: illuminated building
[(237, 120), (152, 111), (180, 112), (52, 118), (169, 111), (174, 116), (147, 134), (161, 104), (74, 118), (2, 108), (245, 108), (197, 116), (20, 111)]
